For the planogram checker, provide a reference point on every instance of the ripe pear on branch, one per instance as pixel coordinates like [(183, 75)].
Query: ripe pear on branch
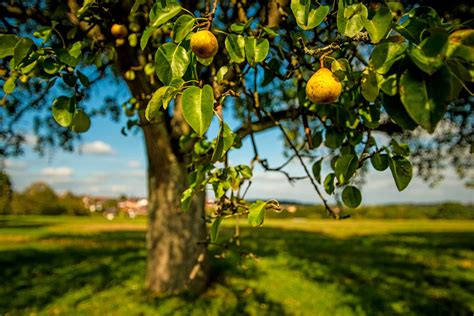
[(204, 44), (323, 86), (119, 30)]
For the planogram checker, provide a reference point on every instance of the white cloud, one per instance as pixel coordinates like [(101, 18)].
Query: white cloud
[(14, 164), (30, 139), (97, 147), (57, 172), (119, 188), (134, 164)]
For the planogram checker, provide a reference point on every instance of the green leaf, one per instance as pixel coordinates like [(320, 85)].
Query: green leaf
[(369, 85), (354, 17), (146, 36), (221, 73), (351, 196), (83, 78), (85, 6), (156, 102), (461, 45), (69, 79), (317, 139), (307, 15), (9, 85), (163, 11), (171, 62), (400, 149), (136, 6), (245, 171), (182, 27), (63, 111), (225, 140), (379, 161), (75, 50), (334, 138), (370, 114), (7, 44), (81, 122), (345, 167), (401, 171), (257, 213), (66, 58), (317, 170), (385, 55), (389, 85), (214, 232), (425, 97), (235, 46), (429, 55), (341, 68), (237, 27), (329, 183), (270, 32), (416, 21), (169, 95), (341, 21), (198, 106), (186, 199), (256, 50), (21, 50), (379, 25), (205, 61), (397, 112)]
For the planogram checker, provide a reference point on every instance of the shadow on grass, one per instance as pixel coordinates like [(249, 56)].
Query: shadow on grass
[(413, 273), (14, 223)]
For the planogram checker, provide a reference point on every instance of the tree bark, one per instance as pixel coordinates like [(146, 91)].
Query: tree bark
[(176, 253), (176, 259)]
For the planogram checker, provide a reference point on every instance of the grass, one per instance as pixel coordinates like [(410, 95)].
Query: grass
[(89, 266)]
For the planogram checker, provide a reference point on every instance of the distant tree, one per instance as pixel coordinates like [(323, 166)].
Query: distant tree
[(332, 72), (39, 198), (6, 193), (73, 204)]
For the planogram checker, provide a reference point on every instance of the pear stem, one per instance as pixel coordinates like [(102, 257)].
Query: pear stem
[(321, 59)]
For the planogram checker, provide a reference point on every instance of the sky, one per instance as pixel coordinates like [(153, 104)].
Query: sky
[(106, 163)]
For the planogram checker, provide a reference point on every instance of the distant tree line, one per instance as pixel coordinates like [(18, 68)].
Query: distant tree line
[(444, 210), (37, 199)]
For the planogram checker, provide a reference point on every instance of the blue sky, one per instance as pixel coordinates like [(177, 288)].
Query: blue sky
[(108, 163)]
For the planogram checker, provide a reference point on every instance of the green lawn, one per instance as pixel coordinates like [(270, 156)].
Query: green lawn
[(75, 266)]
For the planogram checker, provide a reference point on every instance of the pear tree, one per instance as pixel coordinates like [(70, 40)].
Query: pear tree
[(325, 76)]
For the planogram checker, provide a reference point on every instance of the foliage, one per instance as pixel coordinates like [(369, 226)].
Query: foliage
[(401, 68), (6, 193), (446, 210), (72, 265), (40, 199)]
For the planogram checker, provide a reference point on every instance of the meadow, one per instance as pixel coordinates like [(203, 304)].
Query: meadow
[(90, 266)]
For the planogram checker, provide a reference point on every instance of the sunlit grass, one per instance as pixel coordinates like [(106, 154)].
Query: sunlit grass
[(71, 265)]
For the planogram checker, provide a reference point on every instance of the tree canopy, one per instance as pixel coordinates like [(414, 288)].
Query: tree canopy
[(397, 68)]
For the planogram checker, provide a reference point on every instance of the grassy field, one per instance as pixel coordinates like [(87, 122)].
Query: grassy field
[(89, 266)]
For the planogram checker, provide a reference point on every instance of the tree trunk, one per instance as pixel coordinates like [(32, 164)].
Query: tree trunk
[(175, 256), (176, 252)]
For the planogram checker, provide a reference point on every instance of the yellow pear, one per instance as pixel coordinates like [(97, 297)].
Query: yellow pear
[(323, 87), (119, 30), (204, 44)]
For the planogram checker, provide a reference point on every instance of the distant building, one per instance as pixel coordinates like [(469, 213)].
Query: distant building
[(94, 204), (133, 207)]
